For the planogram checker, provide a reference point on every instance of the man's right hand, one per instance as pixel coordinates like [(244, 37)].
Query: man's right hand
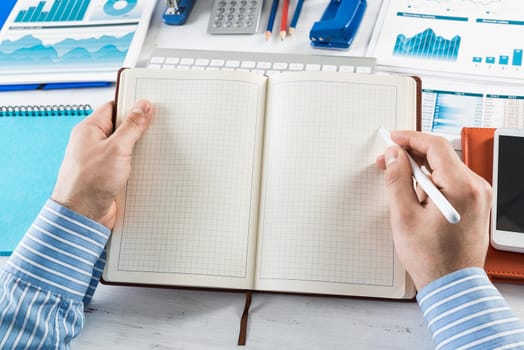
[(429, 246)]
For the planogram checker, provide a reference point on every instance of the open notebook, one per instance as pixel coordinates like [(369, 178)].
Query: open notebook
[(250, 182)]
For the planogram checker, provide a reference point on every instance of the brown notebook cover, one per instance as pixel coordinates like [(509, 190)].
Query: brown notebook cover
[(248, 293), (477, 152)]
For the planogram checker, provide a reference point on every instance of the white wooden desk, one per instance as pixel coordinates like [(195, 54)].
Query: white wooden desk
[(149, 318), (141, 318)]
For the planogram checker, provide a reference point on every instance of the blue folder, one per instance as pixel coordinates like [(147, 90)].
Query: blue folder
[(5, 10), (31, 151)]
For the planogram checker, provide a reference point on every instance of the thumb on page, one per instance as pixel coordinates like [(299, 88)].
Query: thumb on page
[(403, 201), (134, 125)]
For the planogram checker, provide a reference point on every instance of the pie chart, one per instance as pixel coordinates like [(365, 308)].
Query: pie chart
[(119, 7)]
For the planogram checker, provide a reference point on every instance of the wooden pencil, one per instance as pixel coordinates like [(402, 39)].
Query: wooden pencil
[(296, 15), (271, 20), (283, 20)]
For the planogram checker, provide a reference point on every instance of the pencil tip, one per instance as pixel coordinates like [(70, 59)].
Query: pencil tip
[(291, 31), (268, 35), (282, 34)]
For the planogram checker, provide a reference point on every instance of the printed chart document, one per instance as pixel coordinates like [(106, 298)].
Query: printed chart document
[(56, 41), (447, 108), (482, 38), (249, 182)]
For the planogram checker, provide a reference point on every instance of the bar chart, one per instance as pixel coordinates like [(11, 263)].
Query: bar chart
[(467, 37), (503, 60), (61, 10)]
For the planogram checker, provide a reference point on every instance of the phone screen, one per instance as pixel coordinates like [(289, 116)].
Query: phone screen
[(510, 184)]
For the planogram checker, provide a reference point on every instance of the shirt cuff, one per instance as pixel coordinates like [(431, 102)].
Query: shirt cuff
[(59, 251), (464, 309)]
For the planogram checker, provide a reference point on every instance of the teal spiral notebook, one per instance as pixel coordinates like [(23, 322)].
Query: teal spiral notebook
[(32, 144)]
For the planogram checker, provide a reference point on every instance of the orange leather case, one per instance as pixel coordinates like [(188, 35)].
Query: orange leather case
[(477, 152)]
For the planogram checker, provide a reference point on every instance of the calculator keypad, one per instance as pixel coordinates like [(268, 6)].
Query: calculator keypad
[(234, 17)]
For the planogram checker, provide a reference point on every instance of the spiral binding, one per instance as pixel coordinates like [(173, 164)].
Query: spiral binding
[(46, 111)]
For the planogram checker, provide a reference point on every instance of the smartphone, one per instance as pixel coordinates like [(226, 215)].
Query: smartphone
[(507, 220)]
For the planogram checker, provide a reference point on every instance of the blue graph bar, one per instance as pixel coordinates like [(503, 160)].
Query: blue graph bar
[(34, 14), (75, 10), (490, 60), (38, 12), (59, 5), (29, 14), (503, 59), (61, 11), (69, 11), (427, 45), (83, 9), (52, 13), (20, 16), (517, 57), (477, 59)]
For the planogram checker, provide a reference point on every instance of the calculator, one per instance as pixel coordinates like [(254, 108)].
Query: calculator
[(235, 17)]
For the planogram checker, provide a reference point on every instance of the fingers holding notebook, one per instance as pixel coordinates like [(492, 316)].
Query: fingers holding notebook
[(97, 164), (135, 124)]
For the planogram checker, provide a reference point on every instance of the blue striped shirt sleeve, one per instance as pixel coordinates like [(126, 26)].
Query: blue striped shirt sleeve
[(48, 278), (464, 310)]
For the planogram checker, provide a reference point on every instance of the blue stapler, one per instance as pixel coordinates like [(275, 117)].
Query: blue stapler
[(338, 25), (177, 11)]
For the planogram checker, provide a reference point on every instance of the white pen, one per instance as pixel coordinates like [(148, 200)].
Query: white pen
[(427, 185)]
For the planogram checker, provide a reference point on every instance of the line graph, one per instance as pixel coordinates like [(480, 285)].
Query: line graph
[(427, 45), (30, 51)]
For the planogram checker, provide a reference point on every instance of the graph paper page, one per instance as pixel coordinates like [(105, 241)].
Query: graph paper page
[(188, 214), (324, 222)]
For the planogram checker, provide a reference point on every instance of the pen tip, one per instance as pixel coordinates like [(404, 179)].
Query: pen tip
[(454, 218)]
